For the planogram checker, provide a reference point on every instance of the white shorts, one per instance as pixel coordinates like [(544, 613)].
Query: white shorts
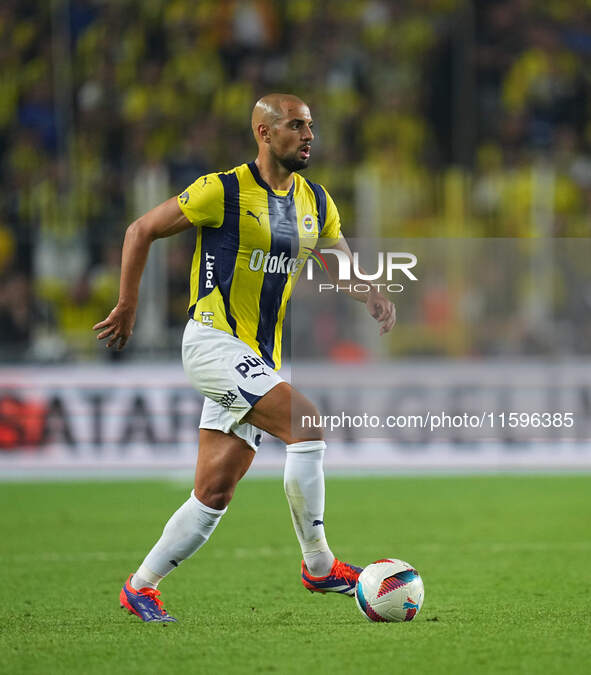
[(231, 376)]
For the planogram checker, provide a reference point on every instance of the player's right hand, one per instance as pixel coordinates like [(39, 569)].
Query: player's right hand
[(118, 326)]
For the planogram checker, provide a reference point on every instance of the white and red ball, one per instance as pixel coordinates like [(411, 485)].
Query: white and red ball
[(389, 590)]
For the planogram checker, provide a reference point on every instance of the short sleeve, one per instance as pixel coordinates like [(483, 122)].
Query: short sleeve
[(203, 201), (332, 222)]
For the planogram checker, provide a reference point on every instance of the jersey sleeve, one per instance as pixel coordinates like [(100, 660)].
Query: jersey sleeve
[(203, 201), (332, 222)]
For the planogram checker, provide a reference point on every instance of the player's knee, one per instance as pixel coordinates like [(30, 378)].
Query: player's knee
[(216, 495), (307, 425)]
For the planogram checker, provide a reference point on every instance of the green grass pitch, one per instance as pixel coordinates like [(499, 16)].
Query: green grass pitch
[(506, 562)]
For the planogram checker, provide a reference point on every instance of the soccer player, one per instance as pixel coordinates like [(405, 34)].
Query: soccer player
[(255, 224)]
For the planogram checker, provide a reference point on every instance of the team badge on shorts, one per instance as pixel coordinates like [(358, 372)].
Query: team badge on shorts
[(227, 399), (308, 223), (184, 198)]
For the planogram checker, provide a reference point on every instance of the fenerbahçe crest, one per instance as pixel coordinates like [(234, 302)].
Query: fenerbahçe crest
[(308, 223)]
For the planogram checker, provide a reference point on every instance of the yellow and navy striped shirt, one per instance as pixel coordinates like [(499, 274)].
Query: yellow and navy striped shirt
[(252, 243)]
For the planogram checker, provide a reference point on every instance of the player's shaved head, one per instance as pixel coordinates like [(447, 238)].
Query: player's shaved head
[(282, 127), (273, 107)]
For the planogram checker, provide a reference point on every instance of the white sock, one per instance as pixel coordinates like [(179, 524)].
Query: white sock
[(186, 532), (304, 487)]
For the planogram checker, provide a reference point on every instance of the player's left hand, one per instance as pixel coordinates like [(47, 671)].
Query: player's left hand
[(382, 310)]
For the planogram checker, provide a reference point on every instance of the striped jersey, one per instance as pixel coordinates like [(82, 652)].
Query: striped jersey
[(252, 244)]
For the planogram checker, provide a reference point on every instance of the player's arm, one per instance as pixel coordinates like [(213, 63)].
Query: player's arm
[(380, 308), (164, 220)]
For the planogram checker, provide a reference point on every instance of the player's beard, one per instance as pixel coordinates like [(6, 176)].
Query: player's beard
[(292, 163)]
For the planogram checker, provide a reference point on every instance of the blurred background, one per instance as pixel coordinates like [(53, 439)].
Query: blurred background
[(436, 120)]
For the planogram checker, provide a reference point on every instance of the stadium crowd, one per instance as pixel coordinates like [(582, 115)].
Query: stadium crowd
[(460, 111)]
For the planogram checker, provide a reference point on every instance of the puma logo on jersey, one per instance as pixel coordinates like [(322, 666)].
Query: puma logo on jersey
[(257, 218)]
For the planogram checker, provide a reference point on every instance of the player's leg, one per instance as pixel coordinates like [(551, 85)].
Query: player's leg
[(277, 413), (281, 412), (286, 413), (245, 395), (222, 461)]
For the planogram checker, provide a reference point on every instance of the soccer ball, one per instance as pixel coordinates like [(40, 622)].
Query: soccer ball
[(389, 590)]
